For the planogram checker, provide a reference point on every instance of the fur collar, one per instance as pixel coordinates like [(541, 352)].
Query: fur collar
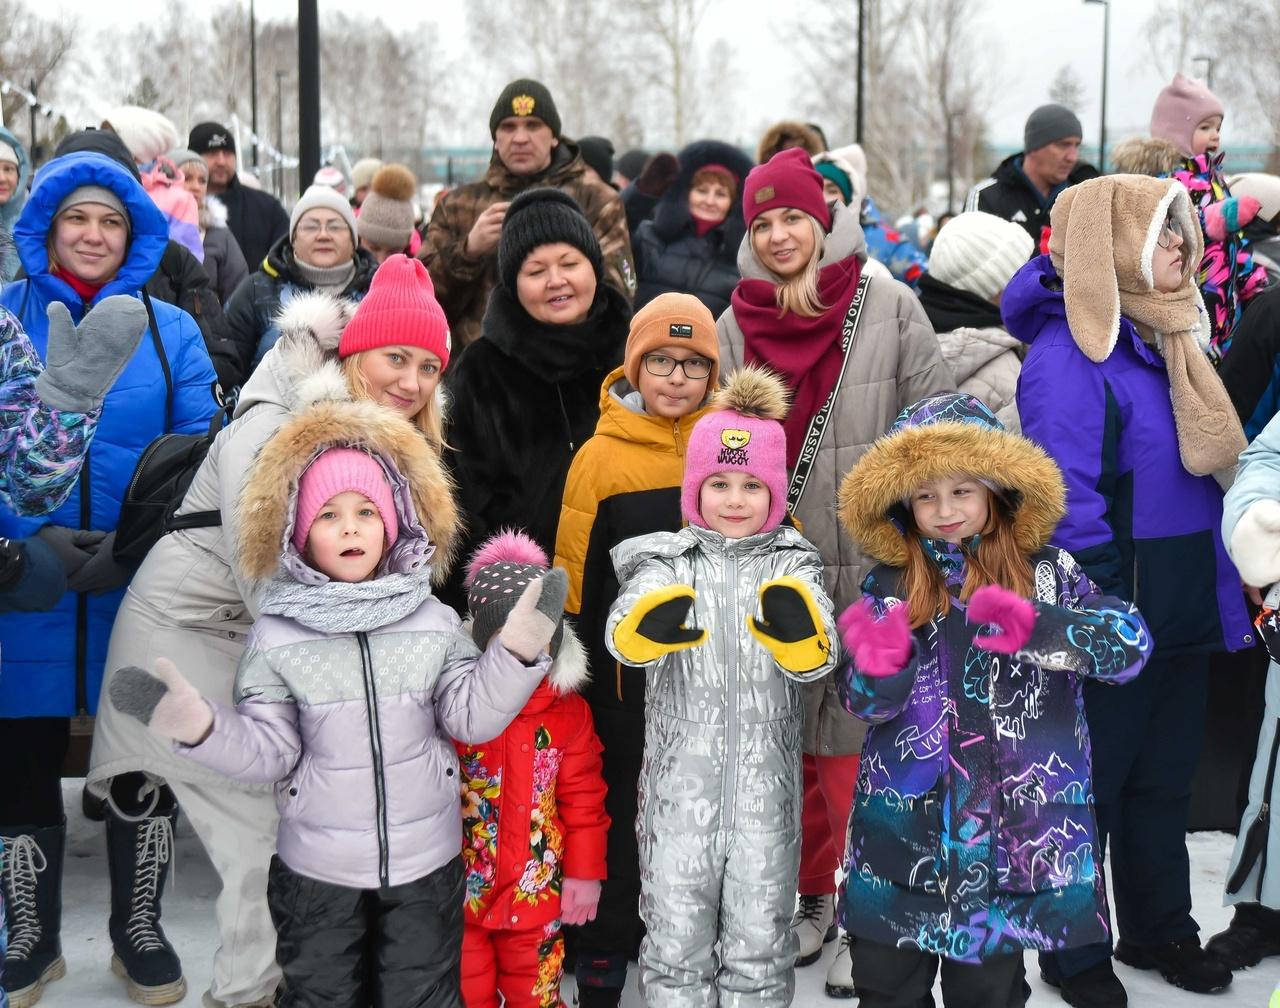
[(569, 671), (895, 465)]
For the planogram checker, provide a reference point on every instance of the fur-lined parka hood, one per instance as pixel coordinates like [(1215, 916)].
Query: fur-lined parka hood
[(789, 133), (942, 436), (421, 486), (1145, 155)]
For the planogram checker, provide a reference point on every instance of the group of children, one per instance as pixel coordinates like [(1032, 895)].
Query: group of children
[(370, 705)]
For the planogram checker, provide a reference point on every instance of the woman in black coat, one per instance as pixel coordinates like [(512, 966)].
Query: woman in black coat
[(526, 395), (691, 244)]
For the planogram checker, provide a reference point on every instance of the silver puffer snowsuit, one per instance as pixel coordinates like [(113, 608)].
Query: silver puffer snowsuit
[(720, 787)]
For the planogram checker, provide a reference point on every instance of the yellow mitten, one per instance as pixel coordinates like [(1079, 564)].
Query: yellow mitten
[(655, 625), (790, 625)]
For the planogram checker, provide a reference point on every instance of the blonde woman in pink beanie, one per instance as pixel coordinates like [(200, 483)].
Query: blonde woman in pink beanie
[(192, 600), (1189, 116)]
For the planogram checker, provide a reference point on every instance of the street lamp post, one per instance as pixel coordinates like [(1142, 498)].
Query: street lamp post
[(1102, 125), (280, 75), (1208, 69), (862, 36), (253, 83), (308, 92)]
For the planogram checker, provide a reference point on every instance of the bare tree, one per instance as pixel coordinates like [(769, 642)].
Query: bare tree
[(1067, 89), (1170, 32), (32, 50), (665, 33)]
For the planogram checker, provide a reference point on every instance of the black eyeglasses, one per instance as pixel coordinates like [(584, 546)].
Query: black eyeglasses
[(662, 365), (1172, 228)]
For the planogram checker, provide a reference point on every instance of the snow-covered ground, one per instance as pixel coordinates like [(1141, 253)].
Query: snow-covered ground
[(188, 920)]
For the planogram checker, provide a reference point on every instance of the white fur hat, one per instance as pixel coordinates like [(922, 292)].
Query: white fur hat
[(979, 253), (147, 134)]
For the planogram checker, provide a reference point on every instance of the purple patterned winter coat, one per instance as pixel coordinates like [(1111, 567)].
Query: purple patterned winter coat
[(973, 832)]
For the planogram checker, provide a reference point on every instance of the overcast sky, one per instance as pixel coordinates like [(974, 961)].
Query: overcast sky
[(1028, 41)]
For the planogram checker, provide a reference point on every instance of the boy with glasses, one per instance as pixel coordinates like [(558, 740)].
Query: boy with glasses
[(625, 481)]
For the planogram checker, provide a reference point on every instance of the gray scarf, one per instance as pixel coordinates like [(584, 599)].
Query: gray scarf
[(340, 607), (326, 278)]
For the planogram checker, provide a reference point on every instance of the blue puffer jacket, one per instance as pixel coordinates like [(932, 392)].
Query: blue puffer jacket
[(51, 663)]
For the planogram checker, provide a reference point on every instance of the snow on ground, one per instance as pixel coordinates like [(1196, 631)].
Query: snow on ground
[(188, 921)]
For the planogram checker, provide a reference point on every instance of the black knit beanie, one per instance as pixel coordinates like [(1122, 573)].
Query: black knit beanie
[(525, 97), (543, 216), (597, 152)]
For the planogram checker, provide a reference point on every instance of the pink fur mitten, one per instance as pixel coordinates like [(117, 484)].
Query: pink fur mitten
[(1229, 216), (578, 900), (165, 702), (1011, 614), (879, 648)]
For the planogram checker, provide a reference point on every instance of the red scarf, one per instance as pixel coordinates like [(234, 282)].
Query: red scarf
[(87, 291), (804, 351)]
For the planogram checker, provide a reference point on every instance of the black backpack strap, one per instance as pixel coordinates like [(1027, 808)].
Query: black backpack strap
[(203, 519), (164, 361)]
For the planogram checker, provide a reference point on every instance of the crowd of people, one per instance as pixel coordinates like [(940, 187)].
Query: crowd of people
[(656, 560)]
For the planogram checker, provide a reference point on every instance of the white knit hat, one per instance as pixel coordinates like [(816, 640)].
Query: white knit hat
[(1262, 187), (979, 253), (322, 196), (147, 134)]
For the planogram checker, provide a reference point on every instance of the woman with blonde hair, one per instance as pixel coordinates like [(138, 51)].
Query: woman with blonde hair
[(854, 351), (190, 598)]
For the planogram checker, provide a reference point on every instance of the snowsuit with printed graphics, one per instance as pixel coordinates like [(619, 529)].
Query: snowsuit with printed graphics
[(532, 816), (720, 789)]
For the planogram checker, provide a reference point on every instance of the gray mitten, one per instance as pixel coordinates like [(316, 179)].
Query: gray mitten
[(74, 547), (165, 702), (101, 573), (535, 616), (83, 361)]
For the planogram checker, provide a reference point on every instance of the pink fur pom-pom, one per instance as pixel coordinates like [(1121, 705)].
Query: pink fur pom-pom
[(511, 546)]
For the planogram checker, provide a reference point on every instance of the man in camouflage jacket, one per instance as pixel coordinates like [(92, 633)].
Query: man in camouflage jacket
[(461, 250)]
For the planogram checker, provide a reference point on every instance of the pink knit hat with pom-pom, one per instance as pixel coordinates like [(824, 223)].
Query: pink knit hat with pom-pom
[(497, 575)]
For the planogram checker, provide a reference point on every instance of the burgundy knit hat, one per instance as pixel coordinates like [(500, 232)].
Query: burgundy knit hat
[(1182, 105), (400, 310), (336, 471), (787, 179)]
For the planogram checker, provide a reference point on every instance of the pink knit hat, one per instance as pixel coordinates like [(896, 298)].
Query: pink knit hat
[(788, 179), (742, 432), (400, 310), (335, 471), (1181, 106)]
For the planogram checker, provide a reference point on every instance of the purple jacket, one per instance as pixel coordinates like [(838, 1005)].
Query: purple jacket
[(1141, 526), (355, 731)]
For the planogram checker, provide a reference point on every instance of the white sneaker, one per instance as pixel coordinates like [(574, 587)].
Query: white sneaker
[(815, 925), (840, 972)]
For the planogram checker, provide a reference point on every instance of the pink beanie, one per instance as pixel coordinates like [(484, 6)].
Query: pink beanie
[(1181, 106), (400, 310), (742, 432), (788, 179), (335, 471)]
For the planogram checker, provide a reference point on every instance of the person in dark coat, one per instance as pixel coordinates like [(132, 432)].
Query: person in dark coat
[(1024, 185), (1143, 432), (223, 260), (179, 279), (319, 252), (691, 244), (256, 218), (526, 395), (1251, 372)]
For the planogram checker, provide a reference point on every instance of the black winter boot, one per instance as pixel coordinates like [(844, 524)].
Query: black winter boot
[(32, 887), (1254, 935), (1182, 963), (140, 822)]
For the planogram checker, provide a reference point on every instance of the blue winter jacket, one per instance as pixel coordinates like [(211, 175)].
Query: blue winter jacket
[(51, 662), (1143, 528)]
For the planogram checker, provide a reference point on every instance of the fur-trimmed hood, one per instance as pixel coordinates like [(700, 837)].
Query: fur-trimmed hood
[(942, 436), (789, 133), (1145, 155), (569, 670), (422, 488), (672, 216)]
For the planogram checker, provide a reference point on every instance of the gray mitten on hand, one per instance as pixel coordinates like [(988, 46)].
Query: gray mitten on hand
[(83, 361), (101, 573), (165, 702), (74, 547), (535, 616)]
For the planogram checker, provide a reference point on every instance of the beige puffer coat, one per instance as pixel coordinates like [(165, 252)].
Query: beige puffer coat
[(985, 362), (895, 360)]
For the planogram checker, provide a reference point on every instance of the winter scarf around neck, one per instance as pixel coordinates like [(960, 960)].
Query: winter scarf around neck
[(804, 351), (87, 291), (559, 353), (950, 308), (951, 559), (333, 279), (1103, 240), (341, 607)]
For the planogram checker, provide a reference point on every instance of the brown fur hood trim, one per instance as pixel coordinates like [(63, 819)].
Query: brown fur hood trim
[(1144, 155), (789, 133), (899, 463), (269, 500)]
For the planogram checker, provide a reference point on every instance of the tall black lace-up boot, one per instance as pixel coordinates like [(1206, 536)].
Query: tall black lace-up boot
[(31, 882)]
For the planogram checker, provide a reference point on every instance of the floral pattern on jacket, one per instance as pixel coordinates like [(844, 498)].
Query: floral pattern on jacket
[(544, 773), (1228, 277), (973, 831)]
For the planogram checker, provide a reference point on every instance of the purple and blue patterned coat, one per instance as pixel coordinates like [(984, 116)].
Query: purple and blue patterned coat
[(973, 831)]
